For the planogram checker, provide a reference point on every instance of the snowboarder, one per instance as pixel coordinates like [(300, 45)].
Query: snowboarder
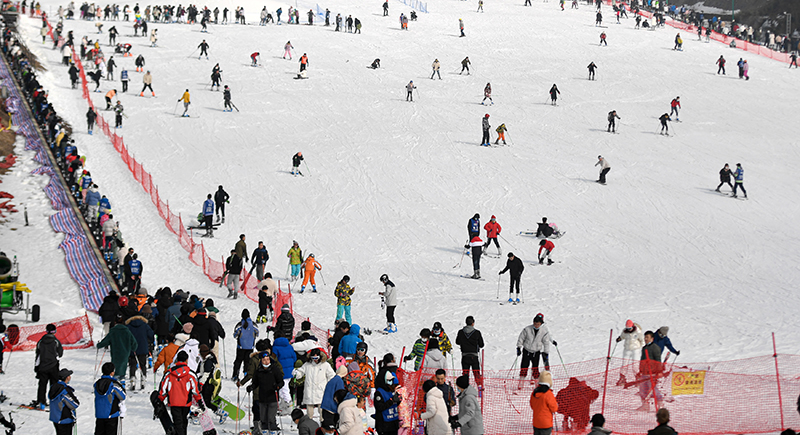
[(493, 230), (226, 99), (591, 68), (465, 65), (208, 215), (678, 43), (118, 110), (474, 226), (501, 130), (310, 267), (547, 246), (295, 256), (603, 39), (461, 27), (534, 342), (664, 118), (203, 49), (186, 102), (221, 198), (436, 65), (296, 160), (477, 248), (487, 93), (739, 177), (410, 90), (485, 141), (721, 62), (604, 168), (612, 121), (554, 93), (675, 105), (287, 49), (515, 266), (303, 62), (389, 299), (254, 58), (725, 177)]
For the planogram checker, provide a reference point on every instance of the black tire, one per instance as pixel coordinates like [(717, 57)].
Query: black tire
[(35, 313)]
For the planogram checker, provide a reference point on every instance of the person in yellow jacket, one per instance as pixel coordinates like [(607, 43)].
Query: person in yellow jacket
[(186, 102), (109, 96), (310, 266), (295, 255), (501, 134)]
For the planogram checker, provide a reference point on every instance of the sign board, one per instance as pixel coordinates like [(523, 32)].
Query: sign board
[(686, 383)]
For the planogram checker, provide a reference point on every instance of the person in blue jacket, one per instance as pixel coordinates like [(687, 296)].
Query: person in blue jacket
[(136, 269), (474, 226), (661, 340), (208, 215), (245, 334), (105, 207), (347, 346), (330, 407), (108, 396), (738, 176), (92, 203), (63, 404), (286, 357)]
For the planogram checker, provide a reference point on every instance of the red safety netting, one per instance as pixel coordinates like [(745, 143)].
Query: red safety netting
[(73, 334)]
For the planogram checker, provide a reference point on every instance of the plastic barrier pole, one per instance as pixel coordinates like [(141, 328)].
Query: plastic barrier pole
[(605, 379), (778, 379)]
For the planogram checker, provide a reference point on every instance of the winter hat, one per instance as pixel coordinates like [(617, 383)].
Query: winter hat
[(346, 278), (146, 309), (362, 346), (123, 301), (437, 326), (353, 367), (182, 338), (209, 303), (204, 350), (546, 378), (262, 345), (297, 414), (63, 374), (305, 325), (629, 324), (50, 328), (142, 290), (187, 328), (285, 308), (108, 368), (428, 385), (342, 371), (493, 217), (477, 216), (202, 312), (542, 242), (663, 331), (462, 382), (539, 318), (245, 314), (598, 420)]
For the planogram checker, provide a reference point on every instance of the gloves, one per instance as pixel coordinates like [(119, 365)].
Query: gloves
[(270, 328), (619, 339), (408, 358), (466, 246), (452, 419), (249, 388), (677, 352), (519, 351), (396, 399), (455, 424), (501, 272), (555, 343)]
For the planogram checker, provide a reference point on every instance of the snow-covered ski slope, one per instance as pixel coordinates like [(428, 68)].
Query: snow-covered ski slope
[(390, 184)]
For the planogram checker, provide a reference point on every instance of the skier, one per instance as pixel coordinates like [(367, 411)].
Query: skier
[(179, 387), (208, 215), (147, 81), (233, 268), (139, 62), (638, 21), (604, 168), (480, 6), (746, 70), (310, 17), (598, 19), (515, 266), (661, 340), (740, 64), (226, 98), (548, 247), (310, 267), (221, 198), (721, 62), (375, 64), (216, 76), (534, 342), (118, 109), (410, 90), (725, 177), (739, 177), (386, 8), (436, 65), (664, 118), (343, 293), (124, 79), (465, 65), (554, 93), (501, 134), (73, 75), (474, 226), (63, 404), (296, 159), (108, 397), (678, 43), (487, 93), (109, 95), (675, 105), (153, 37), (545, 230), (186, 103), (203, 49), (268, 288), (461, 27), (612, 121), (485, 141), (110, 68), (493, 230), (634, 341), (303, 62), (389, 298), (603, 39), (793, 56), (591, 68), (477, 248), (90, 118), (254, 58), (295, 256)]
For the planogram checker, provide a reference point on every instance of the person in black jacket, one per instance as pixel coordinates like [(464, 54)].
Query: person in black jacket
[(127, 268), (109, 310), (725, 177), (544, 229), (233, 268), (516, 267), (48, 351), (268, 379), (284, 326), (203, 331), (387, 370), (220, 199), (164, 301), (471, 341), (342, 329)]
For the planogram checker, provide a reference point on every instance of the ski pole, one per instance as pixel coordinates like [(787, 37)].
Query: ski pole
[(463, 253), (513, 366), (174, 111), (562, 361), (306, 165), (323, 277), (224, 365), (509, 243), (238, 406), (192, 53), (498, 287), (234, 106), (96, 367), (615, 348)]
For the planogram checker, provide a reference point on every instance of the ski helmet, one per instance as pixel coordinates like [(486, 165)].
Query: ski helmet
[(539, 318), (487, 115), (629, 324), (384, 278), (123, 301), (542, 242), (311, 255)]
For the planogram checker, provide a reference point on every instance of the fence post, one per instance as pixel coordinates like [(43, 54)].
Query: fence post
[(416, 387), (778, 379), (650, 377), (483, 368), (605, 380)]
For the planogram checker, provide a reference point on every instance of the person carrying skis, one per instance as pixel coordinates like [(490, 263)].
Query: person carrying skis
[(721, 62), (410, 91), (534, 342), (501, 130), (591, 68), (485, 140), (63, 404), (139, 62), (664, 118), (612, 121), (465, 65), (515, 266), (389, 298), (493, 230), (203, 49), (477, 248), (179, 388), (436, 65), (474, 226), (487, 93), (725, 177), (254, 58), (603, 39), (221, 198), (311, 266), (108, 397), (675, 105), (295, 255), (208, 215), (186, 102), (296, 160), (216, 76), (303, 62), (226, 99), (547, 246), (118, 110), (554, 93)]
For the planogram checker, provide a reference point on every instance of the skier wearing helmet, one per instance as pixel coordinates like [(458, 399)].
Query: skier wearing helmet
[(296, 159), (311, 266), (389, 299), (485, 141), (487, 93)]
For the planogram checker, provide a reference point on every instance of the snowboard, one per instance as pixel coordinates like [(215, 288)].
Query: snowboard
[(234, 413), (207, 423), (160, 413)]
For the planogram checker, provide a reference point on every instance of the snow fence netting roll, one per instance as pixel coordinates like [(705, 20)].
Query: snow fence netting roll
[(73, 334), (703, 398)]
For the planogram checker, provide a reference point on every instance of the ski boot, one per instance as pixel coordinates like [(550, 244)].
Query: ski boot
[(510, 299), (549, 262), (194, 417), (302, 289), (313, 288), (222, 414), (141, 384), (394, 327), (388, 328), (516, 300)]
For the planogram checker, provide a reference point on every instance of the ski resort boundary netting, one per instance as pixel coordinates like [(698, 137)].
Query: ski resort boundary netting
[(72, 333), (735, 397)]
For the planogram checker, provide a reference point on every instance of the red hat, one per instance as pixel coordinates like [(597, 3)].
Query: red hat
[(487, 115), (476, 239), (629, 324), (494, 217), (123, 301)]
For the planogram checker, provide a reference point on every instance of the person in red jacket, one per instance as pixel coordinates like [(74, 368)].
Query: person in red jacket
[(547, 246), (675, 104), (179, 387), (254, 58), (492, 231), (544, 405)]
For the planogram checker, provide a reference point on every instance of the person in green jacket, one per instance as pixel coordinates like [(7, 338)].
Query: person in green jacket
[(343, 301), (122, 343), (295, 255)]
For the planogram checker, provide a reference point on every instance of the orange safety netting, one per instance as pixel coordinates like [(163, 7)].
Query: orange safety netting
[(72, 333)]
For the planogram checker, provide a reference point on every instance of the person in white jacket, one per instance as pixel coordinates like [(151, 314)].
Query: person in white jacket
[(634, 341), (533, 342), (434, 359), (317, 372), (389, 295), (192, 348), (435, 410), (350, 415)]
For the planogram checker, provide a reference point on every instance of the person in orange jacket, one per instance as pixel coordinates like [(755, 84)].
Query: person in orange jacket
[(303, 62), (109, 96), (310, 266), (492, 231), (544, 405)]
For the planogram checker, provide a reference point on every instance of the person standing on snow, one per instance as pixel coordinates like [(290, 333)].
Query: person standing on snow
[(123, 77), (147, 80), (612, 121), (203, 49), (108, 397), (63, 404), (534, 342), (474, 226), (389, 296), (649, 368), (465, 65), (260, 257), (386, 8), (548, 247), (154, 38), (485, 140), (633, 336), (554, 93), (208, 215), (721, 62), (216, 76), (470, 341), (598, 21), (591, 68), (487, 93), (179, 387), (310, 266), (410, 90), (186, 102), (343, 293), (477, 248), (544, 405), (226, 99), (254, 58), (46, 366), (493, 230), (295, 256), (436, 65), (664, 118), (461, 27), (501, 130), (740, 64), (515, 266), (675, 105), (233, 268), (603, 39), (296, 160), (220, 199), (725, 177), (303, 62), (118, 110), (661, 340), (739, 176)]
